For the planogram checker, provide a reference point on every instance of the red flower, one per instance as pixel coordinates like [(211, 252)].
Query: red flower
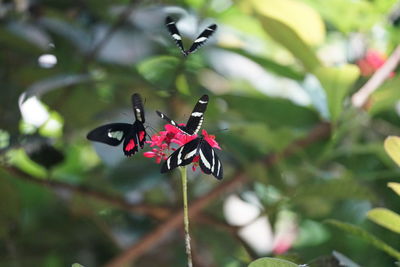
[(371, 62), (163, 141)]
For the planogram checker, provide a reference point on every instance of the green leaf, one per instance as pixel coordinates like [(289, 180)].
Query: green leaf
[(364, 235), (21, 160), (287, 37), (160, 70), (337, 82), (77, 265), (271, 65), (386, 218), (303, 19), (392, 147), (272, 262), (395, 187), (275, 112), (386, 96)]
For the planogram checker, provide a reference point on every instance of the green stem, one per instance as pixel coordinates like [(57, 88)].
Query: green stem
[(186, 216)]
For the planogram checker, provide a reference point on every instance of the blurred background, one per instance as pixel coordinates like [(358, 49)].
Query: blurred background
[(302, 146)]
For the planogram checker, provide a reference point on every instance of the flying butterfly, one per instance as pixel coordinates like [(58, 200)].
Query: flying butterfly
[(200, 40), (184, 155), (195, 121), (133, 135)]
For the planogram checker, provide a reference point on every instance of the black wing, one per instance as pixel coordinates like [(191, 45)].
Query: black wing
[(209, 161), (134, 138), (195, 120), (138, 109), (110, 134), (202, 38), (182, 156), (173, 30)]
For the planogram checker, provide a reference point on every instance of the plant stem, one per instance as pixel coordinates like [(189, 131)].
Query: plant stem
[(186, 216)]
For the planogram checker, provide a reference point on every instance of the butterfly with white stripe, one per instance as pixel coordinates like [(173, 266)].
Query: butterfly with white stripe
[(200, 40), (184, 155), (195, 121), (133, 135)]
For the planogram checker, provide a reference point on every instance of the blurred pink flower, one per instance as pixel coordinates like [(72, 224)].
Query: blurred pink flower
[(162, 143), (371, 62)]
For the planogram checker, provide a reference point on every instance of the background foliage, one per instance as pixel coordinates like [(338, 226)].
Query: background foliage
[(296, 152)]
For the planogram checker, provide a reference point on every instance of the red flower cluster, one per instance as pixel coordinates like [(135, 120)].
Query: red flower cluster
[(163, 141)]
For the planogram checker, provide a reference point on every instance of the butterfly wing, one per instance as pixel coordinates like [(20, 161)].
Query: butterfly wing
[(209, 161), (182, 156), (138, 109), (134, 138), (173, 30), (110, 134), (196, 118), (202, 38)]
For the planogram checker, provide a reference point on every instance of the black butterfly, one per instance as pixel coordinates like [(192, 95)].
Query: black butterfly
[(195, 120), (200, 40), (184, 155), (208, 159), (134, 135)]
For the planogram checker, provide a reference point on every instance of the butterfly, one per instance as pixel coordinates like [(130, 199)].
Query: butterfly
[(195, 121), (184, 155), (200, 40), (133, 135)]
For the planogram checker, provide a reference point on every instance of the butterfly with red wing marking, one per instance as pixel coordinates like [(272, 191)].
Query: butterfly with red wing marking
[(133, 135)]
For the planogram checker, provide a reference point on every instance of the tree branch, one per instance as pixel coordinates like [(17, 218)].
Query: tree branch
[(156, 236), (157, 212)]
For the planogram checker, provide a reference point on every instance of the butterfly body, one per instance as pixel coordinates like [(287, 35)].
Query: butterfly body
[(184, 155), (198, 42), (132, 135)]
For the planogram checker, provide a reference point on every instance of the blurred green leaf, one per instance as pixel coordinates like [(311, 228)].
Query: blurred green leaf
[(335, 189), (385, 218), (272, 262), (311, 233), (350, 16), (275, 112), (161, 71), (364, 235), (298, 16), (286, 36), (392, 147), (386, 96), (395, 187), (337, 82), (271, 65), (19, 159)]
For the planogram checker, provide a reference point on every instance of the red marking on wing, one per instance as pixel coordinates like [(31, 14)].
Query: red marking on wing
[(131, 145), (141, 136)]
